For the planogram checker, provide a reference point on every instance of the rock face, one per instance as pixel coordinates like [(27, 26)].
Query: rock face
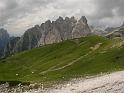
[(109, 29), (117, 32), (98, 31), (4, 39), (29, 39), (81, 28), (123, 24), (57, 31), (9, 49), (53, 32)]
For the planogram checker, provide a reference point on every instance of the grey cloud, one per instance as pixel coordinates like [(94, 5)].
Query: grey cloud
[(15, 9), (107, 13), (105, 7), (16, 14)]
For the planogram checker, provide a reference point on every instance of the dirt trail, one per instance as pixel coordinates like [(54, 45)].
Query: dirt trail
[(97, 46), (69, 64)]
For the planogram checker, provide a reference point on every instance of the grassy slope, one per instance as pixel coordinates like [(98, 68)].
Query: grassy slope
[(65, 60)]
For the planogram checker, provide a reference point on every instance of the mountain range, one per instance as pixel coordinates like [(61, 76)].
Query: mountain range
[(48, 33), (116, 32), (53, 32)]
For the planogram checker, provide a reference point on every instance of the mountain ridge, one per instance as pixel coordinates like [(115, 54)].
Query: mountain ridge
[(116, 32), (4, 39), (52, 32)]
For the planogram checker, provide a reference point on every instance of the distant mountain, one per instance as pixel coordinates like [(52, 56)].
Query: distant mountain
[(98, 31), (4, 39), (10, 46), (29, 40), (110, 29), (52, 32), (116, 32)]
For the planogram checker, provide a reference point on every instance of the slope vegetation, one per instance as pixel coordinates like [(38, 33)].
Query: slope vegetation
[(62, 61)]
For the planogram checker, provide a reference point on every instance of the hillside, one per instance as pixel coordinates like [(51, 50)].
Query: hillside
[(62, 61)]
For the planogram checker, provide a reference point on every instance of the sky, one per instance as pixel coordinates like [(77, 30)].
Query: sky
[(18, 15)]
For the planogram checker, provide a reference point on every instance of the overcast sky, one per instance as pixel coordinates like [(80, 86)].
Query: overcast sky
[(18, 15)]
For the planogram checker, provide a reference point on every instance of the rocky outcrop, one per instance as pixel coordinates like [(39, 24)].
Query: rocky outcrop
[(110, 29), (123, 24), (57, 31), (63, 29), (4, 39), (9, 49), (117, 32), (98, 31), (81, 28), (29, 40), (52, 32)]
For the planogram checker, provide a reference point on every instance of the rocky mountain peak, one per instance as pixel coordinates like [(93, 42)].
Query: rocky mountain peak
[(52, 32), (37, 26), (123, 24), (9, 48), (48, 22), (83, 19), (81, 28), (3, 32), (4, 39), (73, 19), (67, 18), (60, 19)]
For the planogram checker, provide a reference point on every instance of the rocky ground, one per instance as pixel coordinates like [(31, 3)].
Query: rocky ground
[(110, 83)]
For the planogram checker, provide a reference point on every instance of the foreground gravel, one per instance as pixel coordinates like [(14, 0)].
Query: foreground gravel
[(110, 83)]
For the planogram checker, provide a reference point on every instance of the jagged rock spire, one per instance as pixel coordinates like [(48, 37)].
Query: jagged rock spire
[(83, 18), (60, 19), (53, 32), (123, 24)]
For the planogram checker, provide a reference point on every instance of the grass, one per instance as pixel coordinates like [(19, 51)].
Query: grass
[(63, 61)]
